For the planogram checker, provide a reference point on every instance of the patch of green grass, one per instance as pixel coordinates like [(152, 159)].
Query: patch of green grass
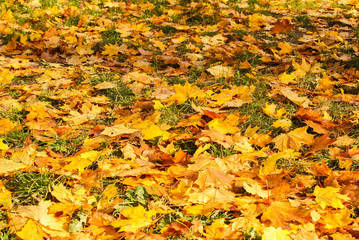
[(187, 146), (194, 73), (6, 38), (300, 5), (241, 79), (5, 234), (355, 166), (26, 80), (172, 114), (251, 234), (255, 109), (120, 95), (305, 21), (73, 21), (67, 147), (165, 220), (47, 3), (246, 55), (219, 151), (354, 132), (339, 110), (209, 33), (74, 3), (14, 93), (108, 37), (308, 82), (252, 4), (53, 102), (29, 187), (166, 29), (353, 63), (15, 115), (133, 198), (197, 18), (176, 80), (216, 214), (182, 48), (240, 33), (16, 139)]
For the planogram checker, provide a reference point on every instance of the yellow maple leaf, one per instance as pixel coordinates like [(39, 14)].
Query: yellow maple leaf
[(31, 231), (7, 166), (221, 71), (301, 69), (271, 111), (6, 126), (154, 131), (6, 15), (186, 92), (110, 50), (256, 21), (218, 230), (287, 78), (137, 219), (225, 95), (107, 195), (212, 177), (62, 194), (117, 130), (282, 123), (179, 39), (5, 196), (329, 196), (284, 48), (3, 146), (294, 139), (6, 76), (80, 163), (255, 189), (294, 97), (226, 125), (272, 233), (212, 195), (269, 165)]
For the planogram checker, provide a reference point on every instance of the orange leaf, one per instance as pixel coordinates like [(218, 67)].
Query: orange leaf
[(282, 26)]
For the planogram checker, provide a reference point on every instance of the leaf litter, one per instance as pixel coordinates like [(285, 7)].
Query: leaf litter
[(179, 119)]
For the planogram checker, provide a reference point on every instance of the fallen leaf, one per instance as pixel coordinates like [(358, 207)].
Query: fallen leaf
[(329, 196)]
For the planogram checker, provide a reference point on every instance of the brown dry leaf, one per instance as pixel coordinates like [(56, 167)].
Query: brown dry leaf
[(344, 140), (282, 26)]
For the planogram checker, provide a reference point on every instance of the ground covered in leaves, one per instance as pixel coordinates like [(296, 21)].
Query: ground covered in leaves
[(219, 119)]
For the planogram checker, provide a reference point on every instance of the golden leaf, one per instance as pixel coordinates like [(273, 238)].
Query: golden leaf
[(137, 219), (272, 233), (294, 139), (117, 130), (329, 196), (221, 71)]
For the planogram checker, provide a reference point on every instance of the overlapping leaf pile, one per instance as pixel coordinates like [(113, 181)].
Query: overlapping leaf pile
[(179, 119)]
